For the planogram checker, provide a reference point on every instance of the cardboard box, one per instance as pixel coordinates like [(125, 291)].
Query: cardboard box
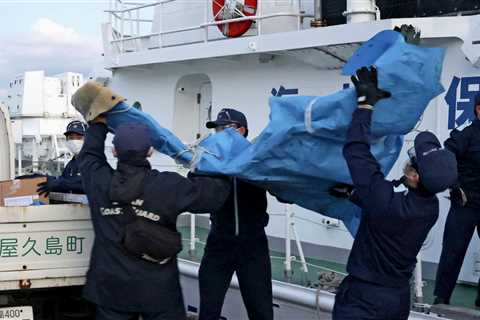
[(21, 193)]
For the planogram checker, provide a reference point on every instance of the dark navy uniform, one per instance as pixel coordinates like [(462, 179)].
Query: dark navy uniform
[(70, 181), (462, 220), (237, 243), (391, 233), (121, 285)]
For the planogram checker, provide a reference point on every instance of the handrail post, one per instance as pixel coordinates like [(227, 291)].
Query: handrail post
[(206, 21), (418, 280), (288, 239), (122, 23), (160, 30), (110, 7), (116, 18), (193, 234), (259, 14), (138, 23), (130, 22), (299, 6)]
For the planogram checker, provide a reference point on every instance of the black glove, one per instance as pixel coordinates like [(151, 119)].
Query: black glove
[(399, 182), (410, 34), (457, 195), (44, 188), (366, 85), (341, 190)]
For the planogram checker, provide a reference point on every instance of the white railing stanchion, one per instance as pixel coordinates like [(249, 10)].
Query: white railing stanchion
[(418, 280), (122, 23), (291, 231), (20, 160), (259, 13), (138, 23), (299, 246), (160, 28), (288, 239), (207, 4), (110, 7), (193, 234), (299, 7), (115, 17), (130, 21)]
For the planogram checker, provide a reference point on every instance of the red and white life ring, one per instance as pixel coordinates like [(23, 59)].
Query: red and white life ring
[(231, 9)]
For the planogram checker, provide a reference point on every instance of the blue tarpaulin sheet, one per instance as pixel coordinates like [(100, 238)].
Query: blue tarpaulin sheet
[(298, 156), (164, 140)]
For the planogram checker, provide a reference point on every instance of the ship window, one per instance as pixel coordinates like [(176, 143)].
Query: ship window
[(20, 81), (15, 81), (10, 84)]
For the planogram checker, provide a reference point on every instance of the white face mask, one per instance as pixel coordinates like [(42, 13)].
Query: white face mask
[(75, 146)]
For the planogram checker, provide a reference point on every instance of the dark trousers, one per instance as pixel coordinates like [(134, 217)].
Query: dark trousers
[(111, 314), (250, 260), (459, 228), (359, 300)]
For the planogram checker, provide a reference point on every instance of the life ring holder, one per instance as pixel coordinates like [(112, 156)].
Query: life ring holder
[(232, 9)]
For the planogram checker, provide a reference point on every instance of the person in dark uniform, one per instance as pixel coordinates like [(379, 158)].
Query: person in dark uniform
[(464, 215), (394, 225), (126, 204), (70, 181), (237, 243)]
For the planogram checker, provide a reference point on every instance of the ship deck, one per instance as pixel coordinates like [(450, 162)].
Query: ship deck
[(463, 296)]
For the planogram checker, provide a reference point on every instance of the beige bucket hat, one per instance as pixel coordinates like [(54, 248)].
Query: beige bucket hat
[(93, 99)]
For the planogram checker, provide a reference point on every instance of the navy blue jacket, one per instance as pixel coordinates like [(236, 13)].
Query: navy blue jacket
[(465, 145), (394, 224), (243, 214), (116, 279), (71, 180)]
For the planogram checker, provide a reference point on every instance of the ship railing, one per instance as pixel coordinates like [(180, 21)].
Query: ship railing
[(122, 12)]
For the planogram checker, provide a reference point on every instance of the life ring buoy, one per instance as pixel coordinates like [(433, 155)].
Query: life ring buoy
[(231, 9)]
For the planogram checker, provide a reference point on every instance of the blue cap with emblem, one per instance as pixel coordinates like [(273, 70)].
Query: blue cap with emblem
[(132, 137), (437, 167), (228, 116), (77, 127)]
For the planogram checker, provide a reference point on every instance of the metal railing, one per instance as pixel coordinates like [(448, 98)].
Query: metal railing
[(121, 13)]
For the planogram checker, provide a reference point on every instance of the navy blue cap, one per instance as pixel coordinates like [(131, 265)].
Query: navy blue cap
[(437, 167), (77, 127), (228, 116), (132, 137)]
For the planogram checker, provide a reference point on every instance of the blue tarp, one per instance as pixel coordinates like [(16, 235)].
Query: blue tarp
[(164, 141), (298, 156)]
